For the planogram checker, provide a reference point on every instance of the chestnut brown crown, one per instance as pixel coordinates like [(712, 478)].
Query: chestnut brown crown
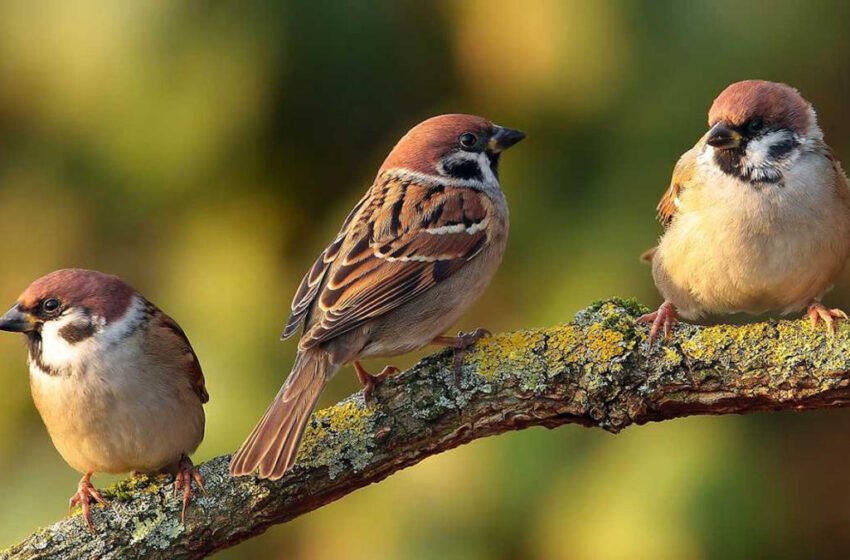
[(777, 105), (104, 295), (429, 142)]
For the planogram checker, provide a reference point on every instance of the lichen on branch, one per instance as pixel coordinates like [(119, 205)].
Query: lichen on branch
[(595, 371)]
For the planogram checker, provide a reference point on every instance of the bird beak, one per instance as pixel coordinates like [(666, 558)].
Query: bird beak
[(504, 138), (723, 137), (17, 321)]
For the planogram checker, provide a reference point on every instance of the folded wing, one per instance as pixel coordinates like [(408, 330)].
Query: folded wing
[(398, 243)]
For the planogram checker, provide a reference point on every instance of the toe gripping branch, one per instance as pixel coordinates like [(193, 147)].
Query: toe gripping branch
[(661, 320), (86, 492), (186, 473)]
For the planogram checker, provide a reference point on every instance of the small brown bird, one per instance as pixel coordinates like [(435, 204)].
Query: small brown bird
[(757, 216), (412, 256), (114, 379)]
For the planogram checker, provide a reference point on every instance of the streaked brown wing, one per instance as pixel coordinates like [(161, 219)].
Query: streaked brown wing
[(312, 281), (191, 365), (409, 238), (682, 175), (667, 205)]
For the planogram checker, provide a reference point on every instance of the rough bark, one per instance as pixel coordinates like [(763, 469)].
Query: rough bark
[(595, 371)]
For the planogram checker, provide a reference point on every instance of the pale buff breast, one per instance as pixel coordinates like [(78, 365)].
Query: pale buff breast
[(110, 417), (734, 247)]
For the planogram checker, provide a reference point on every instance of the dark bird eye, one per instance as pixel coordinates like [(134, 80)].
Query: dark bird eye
[(50, 305), (755, 125), (468, 140)]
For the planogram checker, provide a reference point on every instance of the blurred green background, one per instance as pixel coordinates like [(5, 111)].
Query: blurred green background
[(207, 151)]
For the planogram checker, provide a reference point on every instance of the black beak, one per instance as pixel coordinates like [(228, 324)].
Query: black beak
[(16, 321), (722, 137), (504, 138)]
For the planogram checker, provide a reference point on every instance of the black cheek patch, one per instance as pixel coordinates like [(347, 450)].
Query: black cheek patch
[(464, 169), (74, 333), (729, 161)]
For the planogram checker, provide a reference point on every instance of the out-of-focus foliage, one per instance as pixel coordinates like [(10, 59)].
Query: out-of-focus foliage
[(206, 151)]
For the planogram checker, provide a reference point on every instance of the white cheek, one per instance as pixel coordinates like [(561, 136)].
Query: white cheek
[(758, 151), (486, 170), (57, 352)]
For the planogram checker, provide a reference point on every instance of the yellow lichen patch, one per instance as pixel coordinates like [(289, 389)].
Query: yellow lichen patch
[(596, 345), (507, 353), (563, 344), (712, 343), (603, 344), (123, 491), (671, 358), (349, 419), (798, 340), (600, 338)]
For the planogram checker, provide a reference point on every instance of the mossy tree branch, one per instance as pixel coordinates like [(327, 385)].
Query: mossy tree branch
[(595, 371)]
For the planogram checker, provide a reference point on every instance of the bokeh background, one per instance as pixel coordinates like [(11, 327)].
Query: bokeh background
[(207, 151)]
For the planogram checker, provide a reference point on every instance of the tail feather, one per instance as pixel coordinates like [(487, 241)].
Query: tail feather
[(273, 444)]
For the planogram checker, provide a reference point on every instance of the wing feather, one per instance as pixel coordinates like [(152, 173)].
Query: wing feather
[(312, 281), (682, 175), (191, 365), (404, 239)]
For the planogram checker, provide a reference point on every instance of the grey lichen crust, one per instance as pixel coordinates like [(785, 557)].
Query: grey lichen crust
[(595, 371)]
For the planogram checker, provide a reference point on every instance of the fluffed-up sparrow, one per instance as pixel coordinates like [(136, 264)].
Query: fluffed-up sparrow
[(114, 379), (411, 257), (757, 216)]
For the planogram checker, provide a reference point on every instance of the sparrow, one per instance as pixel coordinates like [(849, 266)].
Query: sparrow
[(757, 215), (114, 379), (415, 252)]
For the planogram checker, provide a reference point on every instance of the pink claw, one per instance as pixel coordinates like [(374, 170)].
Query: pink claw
[(662, 320), (817, 312)]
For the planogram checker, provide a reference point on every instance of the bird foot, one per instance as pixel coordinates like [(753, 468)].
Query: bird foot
[(186, 473), (86, 492), (461, 343), (370, 381), (817, 312), (661, 320)]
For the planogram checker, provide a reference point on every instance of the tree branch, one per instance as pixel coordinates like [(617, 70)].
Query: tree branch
[(595, 371)]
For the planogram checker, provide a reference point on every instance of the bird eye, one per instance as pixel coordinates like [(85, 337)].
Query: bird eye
[(468, 140), (50, 305), (755, 125)]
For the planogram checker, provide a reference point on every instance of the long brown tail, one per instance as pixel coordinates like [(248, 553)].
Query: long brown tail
[(273, 444)]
